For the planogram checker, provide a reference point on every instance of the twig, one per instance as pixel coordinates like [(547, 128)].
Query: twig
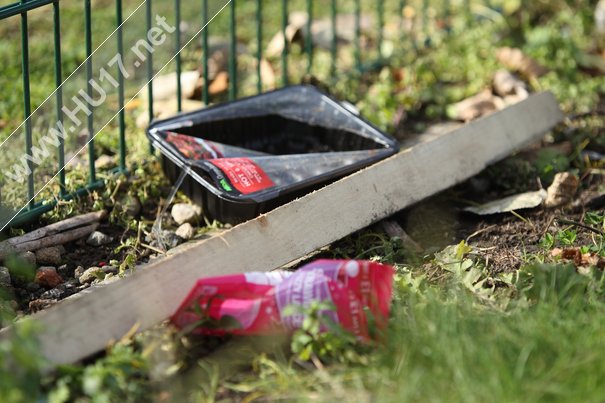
[(55, 228), (393, 229), (161, 252), (579, 224), (51, 240), (479, 232)]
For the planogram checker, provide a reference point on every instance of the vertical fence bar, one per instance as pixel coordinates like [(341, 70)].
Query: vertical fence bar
[(233, 54), (27, 104), (205, 50), (121, 117), (284, 53), (380, 16), (309, 36), (177, 44), (425, 22), (90, 119), (447, 14), (259, 45), (334, 45), (149, 63), (59, 93), (357, 34)]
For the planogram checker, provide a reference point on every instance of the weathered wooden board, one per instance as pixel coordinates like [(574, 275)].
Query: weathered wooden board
[(83, 325)]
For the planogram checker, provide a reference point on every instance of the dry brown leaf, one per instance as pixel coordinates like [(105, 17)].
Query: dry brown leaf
[(514, 59), (562, 190), (476, 106), (219, 84), (267, 74)]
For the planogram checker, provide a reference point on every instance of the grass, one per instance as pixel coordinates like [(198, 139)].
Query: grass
[(458, 332)]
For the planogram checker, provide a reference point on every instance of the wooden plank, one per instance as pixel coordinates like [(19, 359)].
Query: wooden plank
[(78, 327)]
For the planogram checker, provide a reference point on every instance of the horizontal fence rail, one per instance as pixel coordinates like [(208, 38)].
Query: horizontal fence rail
[(255, 16)]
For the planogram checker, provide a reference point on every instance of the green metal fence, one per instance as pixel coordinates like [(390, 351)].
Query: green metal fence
[(331, 8)]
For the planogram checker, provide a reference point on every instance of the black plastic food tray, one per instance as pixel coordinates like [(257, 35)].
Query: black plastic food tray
[(292, 120)]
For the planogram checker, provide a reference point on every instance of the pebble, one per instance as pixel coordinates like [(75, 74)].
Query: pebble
[(39, 304), (78, 271), (109, 269), (105, 162), (169, 240), (29, 257), (562, 190), (184, 212), (98, 238), (48, 277), (49, 256), (5, 277), (185, 231), (91, 274), (129, 205), (63, 270), (54, 293)]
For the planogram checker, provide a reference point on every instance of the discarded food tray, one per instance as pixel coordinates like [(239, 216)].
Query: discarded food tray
[(246, 157)]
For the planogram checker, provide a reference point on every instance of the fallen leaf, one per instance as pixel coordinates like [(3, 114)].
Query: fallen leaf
[(267, 74), (562, 190), (505, 83), (510, 203), (476, 106), (219, 84), (514, 59)]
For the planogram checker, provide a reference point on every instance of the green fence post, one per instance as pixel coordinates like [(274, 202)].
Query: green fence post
[(380, 15), (177, 44), (205, 97), (121, 117), (259, 44), (90, 119), (149, 63), (27, 105), (309, 36), (357, 34), (284, 53), (334, 45), (233, 54), (59, 94)]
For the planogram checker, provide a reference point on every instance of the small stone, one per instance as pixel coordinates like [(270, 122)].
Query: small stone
[(98, 238), (109, 269), (49, 256), (5, 277), (48, 277), (105, 162), (184, 212), (91, 274), (168, 240), (562, 190), (32, 287), (62, 270), (78, 271), (129, 205), (54, 293), (40, 304), (29, 258), (185, 231)]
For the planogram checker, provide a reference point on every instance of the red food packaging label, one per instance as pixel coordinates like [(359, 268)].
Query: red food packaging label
[(255, 303), (193, 148), (244, 174)]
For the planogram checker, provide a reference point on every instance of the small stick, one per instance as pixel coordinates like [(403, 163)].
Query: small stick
[(393, 229), (479, 232), (579, 224), (51, 240), (57, 227)]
